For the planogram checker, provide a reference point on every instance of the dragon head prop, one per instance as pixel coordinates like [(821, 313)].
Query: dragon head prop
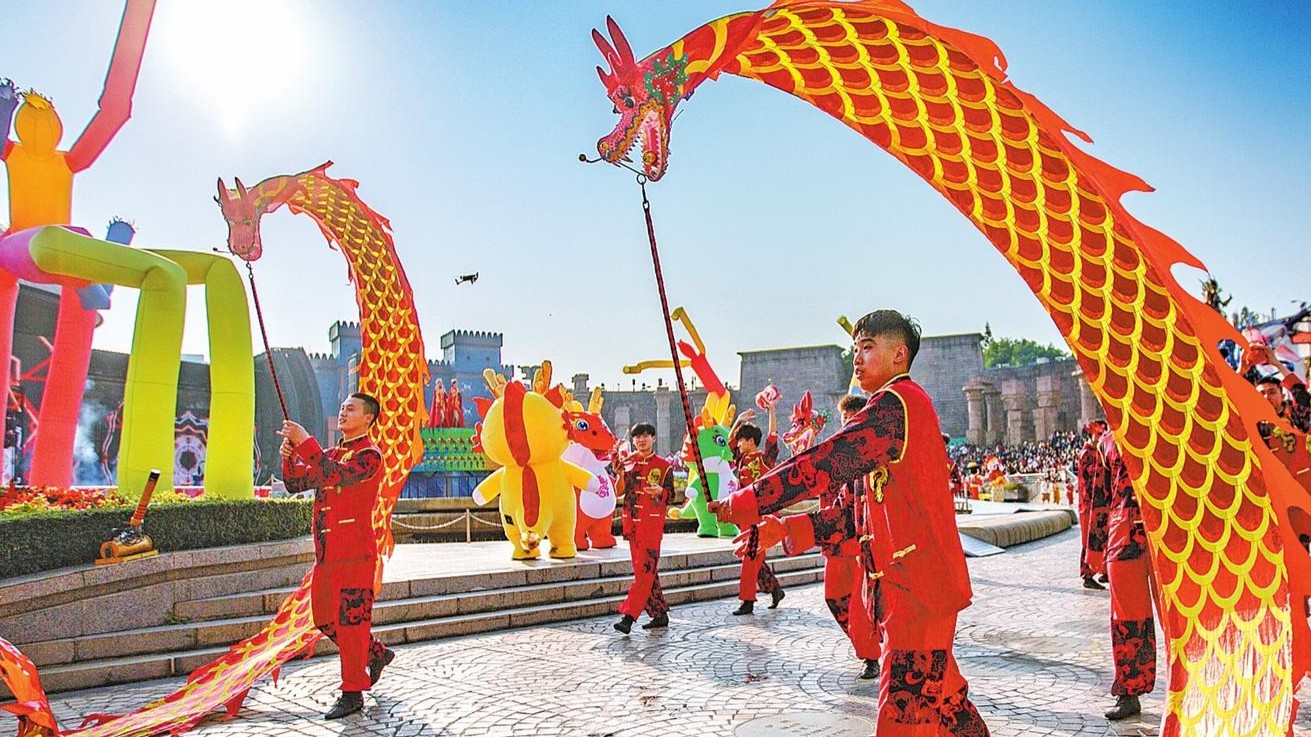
[(242, 208), (645, 95), (243, 218), (806, 425)]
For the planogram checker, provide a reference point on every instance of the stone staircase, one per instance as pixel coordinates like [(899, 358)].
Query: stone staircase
[(423, 605)]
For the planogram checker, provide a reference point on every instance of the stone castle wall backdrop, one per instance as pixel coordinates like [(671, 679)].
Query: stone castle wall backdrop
[(986, 406)]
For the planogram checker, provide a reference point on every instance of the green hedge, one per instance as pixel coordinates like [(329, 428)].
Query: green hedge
[(44, 542)]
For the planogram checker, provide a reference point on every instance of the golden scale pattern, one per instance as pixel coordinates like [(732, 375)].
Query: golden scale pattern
[(393, 369), (1000, 157)]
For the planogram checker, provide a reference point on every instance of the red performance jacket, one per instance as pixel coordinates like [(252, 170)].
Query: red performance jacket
[(653, 470), (346, 479), (1292, 448), (905, 514), (753, 465), (1092, 477)]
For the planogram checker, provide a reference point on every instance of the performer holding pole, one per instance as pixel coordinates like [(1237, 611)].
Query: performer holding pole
[(909, 520), (345, 478)]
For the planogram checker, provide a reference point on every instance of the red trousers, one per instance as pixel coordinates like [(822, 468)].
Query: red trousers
[(844, 584), (1133, 630), (756, 574), (593, 533), (921, 691), (341, 600), (648, 530)]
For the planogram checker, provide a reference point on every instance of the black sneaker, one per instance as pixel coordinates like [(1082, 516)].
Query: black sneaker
[(1103, 578), (377, 664), (777, 596), (1125, 707), (871, 671), (348, 703), (746, 607), (1091, 583), (625, 624), (657, 623)]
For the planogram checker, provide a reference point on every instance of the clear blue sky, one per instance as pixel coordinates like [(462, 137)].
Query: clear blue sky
[(463, 121)]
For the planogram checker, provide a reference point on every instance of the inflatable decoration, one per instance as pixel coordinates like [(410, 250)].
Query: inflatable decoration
[(711, 431), (717, 457), (43, 247), (1216, 503), (590, 441), (447, 449), (807, 424), (524, 431), (392, 368)]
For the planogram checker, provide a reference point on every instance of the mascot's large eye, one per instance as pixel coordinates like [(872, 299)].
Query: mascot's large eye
[(721, 441), (628, 101), (582, 425)]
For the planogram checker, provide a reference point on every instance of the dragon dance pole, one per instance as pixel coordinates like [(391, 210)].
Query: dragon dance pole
[(268, 352), (669, 333)]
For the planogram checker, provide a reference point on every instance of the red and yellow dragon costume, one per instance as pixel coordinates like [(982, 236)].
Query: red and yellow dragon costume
[(392, 368), (1215, 501)]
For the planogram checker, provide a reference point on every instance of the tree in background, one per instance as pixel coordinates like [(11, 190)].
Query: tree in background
[(1018, 352)]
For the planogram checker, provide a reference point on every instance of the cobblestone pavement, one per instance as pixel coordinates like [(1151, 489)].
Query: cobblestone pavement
[(1034, 646)]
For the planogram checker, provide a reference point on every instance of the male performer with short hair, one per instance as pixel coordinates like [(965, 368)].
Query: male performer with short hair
[(909, 520), (751, 462), (345, 478), (646, 484)]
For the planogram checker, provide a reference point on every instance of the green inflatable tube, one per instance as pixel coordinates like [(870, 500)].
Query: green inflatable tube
[(151, 394), (230, 449)]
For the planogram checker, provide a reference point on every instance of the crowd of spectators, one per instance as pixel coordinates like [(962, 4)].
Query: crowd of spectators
[(1054, 453)]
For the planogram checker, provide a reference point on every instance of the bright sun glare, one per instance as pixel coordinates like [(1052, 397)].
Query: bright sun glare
[(233, 57)]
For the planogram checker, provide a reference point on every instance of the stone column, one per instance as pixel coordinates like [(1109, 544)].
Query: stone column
[(663, 400), (1089, 408), (995, 410), (623, 420), (1047, 416), (580, 387), (977, 428), (1019, 424)]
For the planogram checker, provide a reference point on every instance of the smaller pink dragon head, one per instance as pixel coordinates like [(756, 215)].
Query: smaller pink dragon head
[(242, 213), (807, 424), (645, 95)]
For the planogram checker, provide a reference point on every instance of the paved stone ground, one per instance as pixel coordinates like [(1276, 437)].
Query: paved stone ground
[(1035, 648)]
